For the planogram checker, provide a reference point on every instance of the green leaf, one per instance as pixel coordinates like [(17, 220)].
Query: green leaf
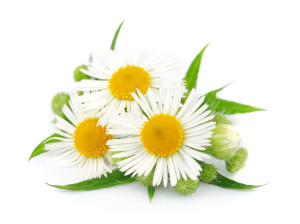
[(212, 95), (115, 178), (112, 47), (230, 107), (192, 73), (40, 148), (226, 182), (226, 106), (151, 192)]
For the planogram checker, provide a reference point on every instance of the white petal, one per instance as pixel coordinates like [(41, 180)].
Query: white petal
[(165, 172), (158, 172), (173, 179)]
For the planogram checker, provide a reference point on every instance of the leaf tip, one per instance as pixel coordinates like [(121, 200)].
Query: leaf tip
[(32, 155), (256, 109), (261, 109), (51, 185), (151, 192), (264, 184), (206, 45), (227, 85), (112, 47)]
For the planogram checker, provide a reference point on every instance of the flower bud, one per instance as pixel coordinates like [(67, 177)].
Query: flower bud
[(79, 75), (220, 118), (146, 180), (225, 142), (186, 187), (58, 101), (237, 162), (208, 173)]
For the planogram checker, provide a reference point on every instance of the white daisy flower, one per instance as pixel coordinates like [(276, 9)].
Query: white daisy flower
[(119, 73), (167, 136), (83, 140)]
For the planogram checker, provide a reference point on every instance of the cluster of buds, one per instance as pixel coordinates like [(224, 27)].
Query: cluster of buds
[(225, 144)]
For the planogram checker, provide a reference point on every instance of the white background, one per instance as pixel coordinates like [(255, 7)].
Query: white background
[(255, 43)]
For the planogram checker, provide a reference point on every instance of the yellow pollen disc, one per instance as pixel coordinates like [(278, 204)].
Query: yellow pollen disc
[(127, 79), (90, 139), (162, 135)]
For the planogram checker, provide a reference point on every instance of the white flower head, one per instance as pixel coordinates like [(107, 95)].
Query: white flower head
[(119, 73), (167, 137), (83, 140)]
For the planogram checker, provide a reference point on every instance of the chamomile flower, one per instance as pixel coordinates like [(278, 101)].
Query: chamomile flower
[(167, 137), (83, 140), (119, 73)]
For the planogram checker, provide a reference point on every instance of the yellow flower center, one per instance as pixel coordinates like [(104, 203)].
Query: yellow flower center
[(162, 135), (90, 139), (127, 79)]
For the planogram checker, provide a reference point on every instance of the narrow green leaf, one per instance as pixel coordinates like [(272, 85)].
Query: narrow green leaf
[(213, 94), (230, 107), (40, 148), (225, 182), (225, 106), (115, 178), (192, 73), (151, 192), (112, 47)]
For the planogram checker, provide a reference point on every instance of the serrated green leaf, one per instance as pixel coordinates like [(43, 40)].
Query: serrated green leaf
[(112, 47), (226, 106), (192, 73), (115, 178), (226, 182), (151, 192), (40, 148)]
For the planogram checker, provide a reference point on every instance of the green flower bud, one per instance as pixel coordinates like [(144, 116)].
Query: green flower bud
[(186, 187), (58, 101), (79, 75), (225, 142), (146, 180), (237, 162), (221, 119), (208, 173)]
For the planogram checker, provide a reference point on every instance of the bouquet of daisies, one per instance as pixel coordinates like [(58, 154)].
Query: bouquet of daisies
[(126, 122)]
